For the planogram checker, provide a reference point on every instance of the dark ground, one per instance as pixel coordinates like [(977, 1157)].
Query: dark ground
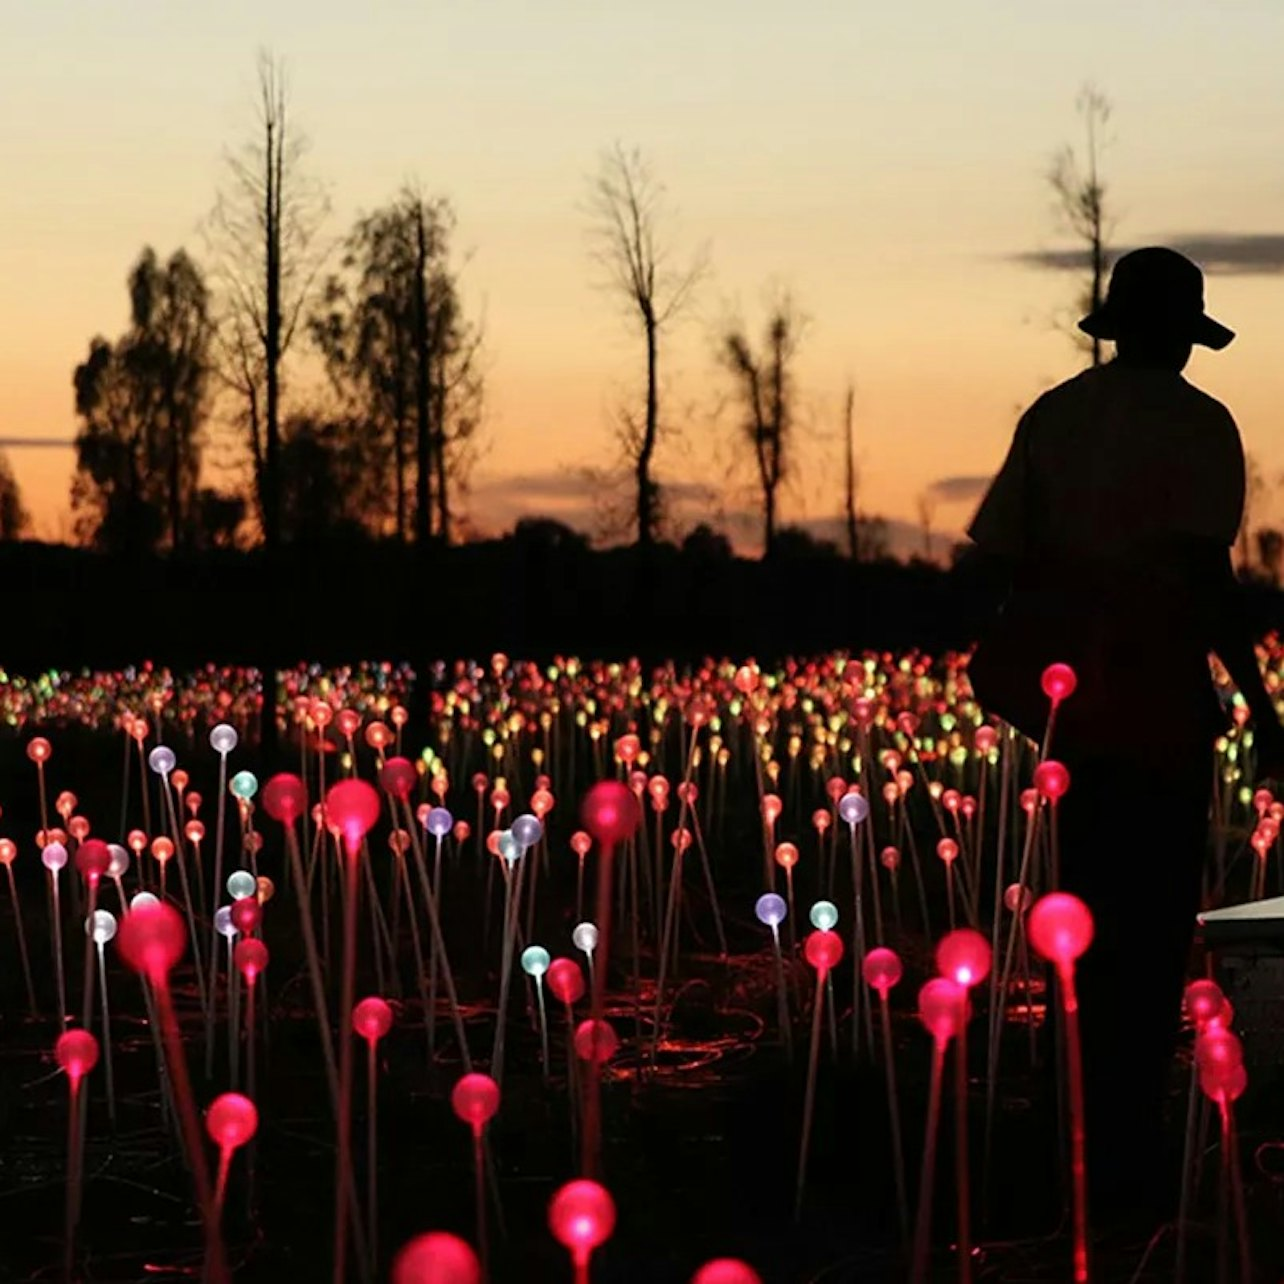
[(700, 1156)]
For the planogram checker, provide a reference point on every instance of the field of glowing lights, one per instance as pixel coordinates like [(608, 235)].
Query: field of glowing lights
[(516, 971)]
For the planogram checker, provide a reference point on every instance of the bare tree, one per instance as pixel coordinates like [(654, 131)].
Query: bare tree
[(764, 388), (14, 519), (926, 504), (853, 528), (265, 237), (1081, 202), (627, 213)]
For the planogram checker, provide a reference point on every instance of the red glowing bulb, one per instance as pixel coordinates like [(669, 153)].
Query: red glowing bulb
[(942, 1008), (581, 843), (39, 749), (820, 820), (399, 777), (475, 1100), (436, 1258), (565, 980), (1060, 928), (610, 812), (582, 1217), (246, 914), (1052, 779), (92, 859), (596, 1041), (251, 958), (771, 808), (824, 950), (352, 806), (151, 939), (372, 1019), (964, 956), (77, 1053), (882, 970), (1058, 682), (1203, 1000), (726, 1270), (985, 739), (948, 850), (284, 798), (1224, 1083), (231, 1120)]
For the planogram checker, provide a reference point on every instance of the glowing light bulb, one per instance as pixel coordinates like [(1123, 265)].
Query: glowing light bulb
[(581, 1216), (565, 980), (527, 830), (231, 1120), (596, 1041), (610, 812), (77, 1054), (823, 916), (244, 785), (1052, 780), (223, 739), (726, 1270), (535, 960), (247, 913), (771, 909), (53, 857), (250, 959), (584, 937), (475, 1100), (353, 807), (161, 760), (1060, 928), (439, 822), (853, 808), (1203, 1001), (285, 798), (786, 855), (240, 884), (223, 924), (1058, 682), (151, 940), (964, 956), (100, 926), (436, 1258), (942, 1008), (948, 850), (141, 900), (882, 970), (372, 1018), (399, 777), (823, 950), (93, 859)]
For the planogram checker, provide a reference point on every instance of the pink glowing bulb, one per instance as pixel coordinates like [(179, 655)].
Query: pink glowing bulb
[(596, 1041), (78, 828), (92, 859), (284, 798), (835, 788), (1058, 682), (231, 1121), (475, 1100), (771, 809), (688, 792), (77, 1053), (1224, 1083), (1218, 1047), (1052, 779), (399, 777), (151, 939), (890, 858), (882, 970), (610, 812), (378, 737), (541, 803), (194, 831), (39, 750), (251, 959), (824, 951), (8, 851), (398, 716), (565, 980), (985, 739), (1203, 1001), (964, 956), (942, 1008), (353, 807), (372, 1019), (1262, 799), (582, 1217), (499, 798), (786, 855), (461, 831), (581, 843), (162, 848), (820, 820), (948, 850), (1060, 928), (951, 800), (627, 748), (1029, 801), (726, 1270), (436, 1258)]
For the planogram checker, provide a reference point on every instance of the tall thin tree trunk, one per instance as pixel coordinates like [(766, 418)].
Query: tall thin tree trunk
[(423, 428), (853, 547), (439, 441), (646, 488)]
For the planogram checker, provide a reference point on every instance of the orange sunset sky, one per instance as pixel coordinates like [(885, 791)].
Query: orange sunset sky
[(885, 162)]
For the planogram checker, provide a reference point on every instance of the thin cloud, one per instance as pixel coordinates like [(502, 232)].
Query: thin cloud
[(1218, 253), (957, 489), (570, 486)]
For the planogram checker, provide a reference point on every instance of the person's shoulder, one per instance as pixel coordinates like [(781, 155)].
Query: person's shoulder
[(1202, 404)]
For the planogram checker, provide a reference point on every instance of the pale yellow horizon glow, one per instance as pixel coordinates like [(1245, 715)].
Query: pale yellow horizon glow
[(883, 164)]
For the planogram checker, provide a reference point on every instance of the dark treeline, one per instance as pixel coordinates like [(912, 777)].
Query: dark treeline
[(537, 593)]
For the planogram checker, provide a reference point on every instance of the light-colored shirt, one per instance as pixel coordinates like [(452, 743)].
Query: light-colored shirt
[(1110, 463)]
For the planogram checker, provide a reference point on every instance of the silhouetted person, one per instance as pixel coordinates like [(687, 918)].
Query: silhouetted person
[(1115, 512)]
